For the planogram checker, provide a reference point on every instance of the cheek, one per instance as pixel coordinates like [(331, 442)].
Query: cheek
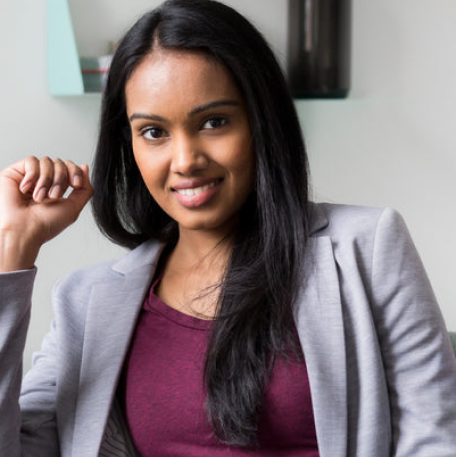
[(151, 172)]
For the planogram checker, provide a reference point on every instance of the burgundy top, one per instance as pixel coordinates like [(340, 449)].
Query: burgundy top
[(164, 393)]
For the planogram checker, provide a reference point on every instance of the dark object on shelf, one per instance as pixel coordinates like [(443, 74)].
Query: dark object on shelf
[(319, 48)]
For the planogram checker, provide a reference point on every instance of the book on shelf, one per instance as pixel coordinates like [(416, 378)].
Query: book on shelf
[(95, 72)]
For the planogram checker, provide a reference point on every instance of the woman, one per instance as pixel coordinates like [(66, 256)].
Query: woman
[(245, 321)]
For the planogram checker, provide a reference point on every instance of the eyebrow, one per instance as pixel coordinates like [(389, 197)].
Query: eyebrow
[(197, 110), (202, 108)]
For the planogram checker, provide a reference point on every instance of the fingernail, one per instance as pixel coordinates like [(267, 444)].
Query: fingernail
[(77, 181), (25, 187), (41, 194), (55, 191)]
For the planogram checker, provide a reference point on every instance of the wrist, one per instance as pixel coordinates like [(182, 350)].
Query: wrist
[(15, 252)]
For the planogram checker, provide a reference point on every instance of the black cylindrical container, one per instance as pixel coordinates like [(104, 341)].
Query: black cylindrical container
[(319, 48)]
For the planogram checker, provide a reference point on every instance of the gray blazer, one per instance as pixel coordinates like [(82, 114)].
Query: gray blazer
[(381, 369)]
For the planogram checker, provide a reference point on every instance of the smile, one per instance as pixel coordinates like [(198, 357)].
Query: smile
[(196, 190), (195, 197)]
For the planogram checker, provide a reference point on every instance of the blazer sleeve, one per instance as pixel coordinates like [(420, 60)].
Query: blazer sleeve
[(27, 419), (418, 359)]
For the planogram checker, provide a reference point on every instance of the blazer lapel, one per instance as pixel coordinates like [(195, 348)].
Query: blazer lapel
[(112, 314), (320, 326)]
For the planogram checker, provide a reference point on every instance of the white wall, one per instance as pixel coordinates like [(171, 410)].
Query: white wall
[(391, 143)]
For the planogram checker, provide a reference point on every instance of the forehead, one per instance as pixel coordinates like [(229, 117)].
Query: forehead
[(167, 77)]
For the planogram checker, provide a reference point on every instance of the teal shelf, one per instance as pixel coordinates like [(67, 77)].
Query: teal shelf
[(64, 70)]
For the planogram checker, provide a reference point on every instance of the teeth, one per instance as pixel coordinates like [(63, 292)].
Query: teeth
[(196, 190)]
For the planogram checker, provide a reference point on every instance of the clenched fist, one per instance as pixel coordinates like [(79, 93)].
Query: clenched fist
[(33, 208)]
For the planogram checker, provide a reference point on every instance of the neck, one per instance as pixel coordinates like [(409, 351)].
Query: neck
[(192, 271), (196, 247)]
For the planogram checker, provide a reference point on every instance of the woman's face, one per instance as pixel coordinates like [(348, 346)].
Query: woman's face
[(191, 138)]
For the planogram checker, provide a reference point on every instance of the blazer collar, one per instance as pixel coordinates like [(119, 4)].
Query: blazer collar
[(317, 218), (320, 325), (146, 254)]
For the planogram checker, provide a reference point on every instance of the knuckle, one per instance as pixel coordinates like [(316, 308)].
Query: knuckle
[(32, 165), (71, 165)]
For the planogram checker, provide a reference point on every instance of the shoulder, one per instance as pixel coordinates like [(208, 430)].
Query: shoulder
[(362, 238), (353, 222)]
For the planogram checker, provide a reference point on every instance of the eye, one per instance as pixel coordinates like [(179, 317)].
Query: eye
[(153, 133), (215, 122)]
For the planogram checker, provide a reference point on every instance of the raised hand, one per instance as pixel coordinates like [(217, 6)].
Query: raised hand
[(33, 209)]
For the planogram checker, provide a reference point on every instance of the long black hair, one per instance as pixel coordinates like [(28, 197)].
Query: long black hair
[(254, 322)]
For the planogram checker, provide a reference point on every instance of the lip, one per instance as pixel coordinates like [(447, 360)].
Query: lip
[(196, 198), (194, 183)]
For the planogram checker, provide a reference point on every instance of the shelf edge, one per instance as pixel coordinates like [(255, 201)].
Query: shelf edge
[(64, 70)]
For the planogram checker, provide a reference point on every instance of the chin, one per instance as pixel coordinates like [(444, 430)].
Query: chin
[(207, 225)]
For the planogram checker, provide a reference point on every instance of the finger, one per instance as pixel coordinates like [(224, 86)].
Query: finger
[(31, 169), (75, 174), (45, 180), (62, 213), (60, 182), (81, 195)]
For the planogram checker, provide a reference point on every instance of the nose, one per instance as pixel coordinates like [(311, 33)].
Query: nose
[(188, 155)]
